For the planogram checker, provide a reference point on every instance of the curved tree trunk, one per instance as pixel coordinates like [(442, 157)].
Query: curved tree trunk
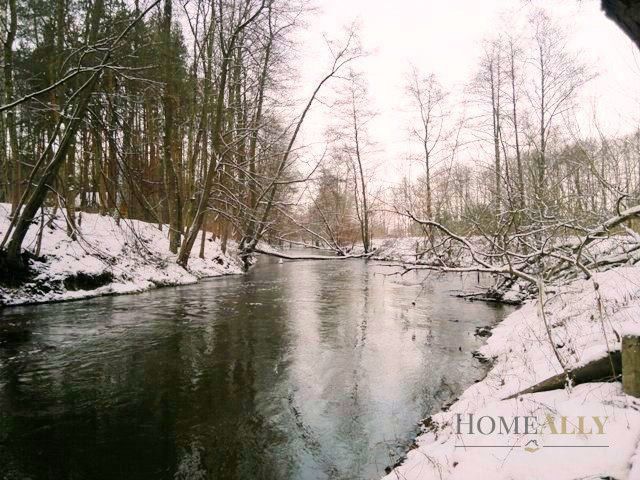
[(626, 14)]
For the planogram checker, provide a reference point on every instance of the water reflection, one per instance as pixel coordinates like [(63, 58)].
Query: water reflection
[(311, 370)]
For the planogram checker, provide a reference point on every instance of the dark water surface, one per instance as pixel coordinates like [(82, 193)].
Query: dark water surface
[(302, 370)]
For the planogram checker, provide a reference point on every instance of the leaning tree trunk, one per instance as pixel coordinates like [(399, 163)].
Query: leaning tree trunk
[(12, 261), (36, 199), (626, 14)]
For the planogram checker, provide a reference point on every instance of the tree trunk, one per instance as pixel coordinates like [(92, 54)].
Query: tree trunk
[(514, 102), (16, 179), (36, 198), (494, 74), (171, 183), (365, 208), (626, 14)]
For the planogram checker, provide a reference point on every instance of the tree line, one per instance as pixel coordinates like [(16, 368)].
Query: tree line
[(168, 112), (516, 157), (180, 113), (503, 153)]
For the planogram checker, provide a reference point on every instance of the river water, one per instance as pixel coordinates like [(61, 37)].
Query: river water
[(301, 370)]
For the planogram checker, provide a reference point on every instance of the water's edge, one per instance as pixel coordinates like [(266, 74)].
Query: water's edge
[(300, 370), (486, 363)]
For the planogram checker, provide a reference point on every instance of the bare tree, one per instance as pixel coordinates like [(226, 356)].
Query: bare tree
[(514, 53), (231, 26), (428, 97), (558, 75), (351, 133), (488, 88), (342, 56)]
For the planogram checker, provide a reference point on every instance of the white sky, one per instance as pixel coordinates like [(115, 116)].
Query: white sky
[(445, 38)]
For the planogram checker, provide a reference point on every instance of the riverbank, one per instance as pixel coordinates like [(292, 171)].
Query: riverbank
[(584, 319), (416, 250), (108, 258), (451, 255), (319, 363)]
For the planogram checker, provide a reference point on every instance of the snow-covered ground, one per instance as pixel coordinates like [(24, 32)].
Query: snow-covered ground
[(586, 318), (133, 256), (416, 250)]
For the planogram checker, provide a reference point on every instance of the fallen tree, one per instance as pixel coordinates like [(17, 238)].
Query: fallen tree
[(548, 253), (284, 256), (602, 369)]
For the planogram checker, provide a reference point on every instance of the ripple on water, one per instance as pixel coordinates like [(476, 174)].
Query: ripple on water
[(305, 370)]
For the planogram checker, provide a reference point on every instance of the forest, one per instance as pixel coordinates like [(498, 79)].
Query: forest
[(427, 211), (120, 109), (177, 114)]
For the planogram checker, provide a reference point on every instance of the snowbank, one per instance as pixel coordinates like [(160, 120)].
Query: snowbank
[(106, 259), (586, 318), (417, 250)]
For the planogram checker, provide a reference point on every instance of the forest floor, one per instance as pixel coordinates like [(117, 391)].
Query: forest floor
[(107, 258), (583, 321)]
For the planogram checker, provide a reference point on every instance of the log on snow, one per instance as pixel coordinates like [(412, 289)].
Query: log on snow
[(596, 370), (310, 257), (631, 365)]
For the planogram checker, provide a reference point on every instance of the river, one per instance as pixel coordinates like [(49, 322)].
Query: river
[(300, 370)]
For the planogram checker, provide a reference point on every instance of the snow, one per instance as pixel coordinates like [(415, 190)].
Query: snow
[(416, 250), (587, 318), (135, 253)]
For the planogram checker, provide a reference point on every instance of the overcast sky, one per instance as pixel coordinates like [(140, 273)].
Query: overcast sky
[(445, 38)]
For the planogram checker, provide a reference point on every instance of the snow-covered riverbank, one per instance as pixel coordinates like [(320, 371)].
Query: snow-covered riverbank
[(586, 318), (416, 250), (106, 259)]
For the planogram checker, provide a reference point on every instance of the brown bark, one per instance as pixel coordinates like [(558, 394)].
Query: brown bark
[(171, 182), (16, 179), (217, 141), (13, 259)]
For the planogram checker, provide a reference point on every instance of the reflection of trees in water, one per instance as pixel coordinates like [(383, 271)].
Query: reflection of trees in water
[(239, 431), (190, 466), (133, 404), (366, 313), (342, 327), (311, 442), (183, 380)]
